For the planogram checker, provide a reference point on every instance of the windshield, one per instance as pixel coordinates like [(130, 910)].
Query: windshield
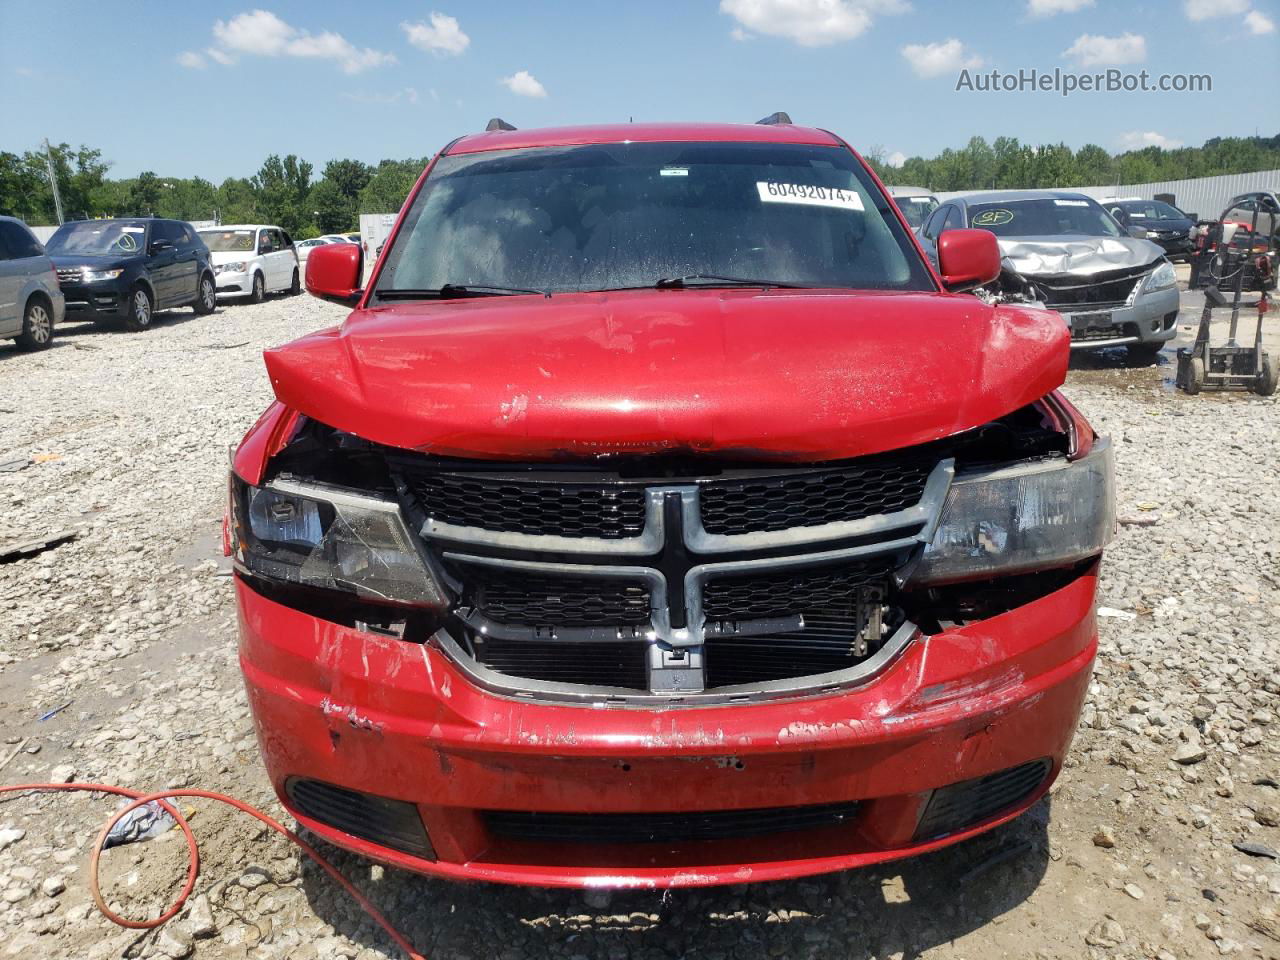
[(617, 215), (1152, 210), (916, 209), (99, 238), (227, 241), (1044, 218)]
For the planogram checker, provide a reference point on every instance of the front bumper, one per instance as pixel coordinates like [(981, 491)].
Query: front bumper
[(396, 719), (94, 300), (234, 284), (1151, 318)]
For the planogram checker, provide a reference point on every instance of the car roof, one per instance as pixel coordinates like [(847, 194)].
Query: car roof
[(239, 226), (641, 133), (1008, 196)]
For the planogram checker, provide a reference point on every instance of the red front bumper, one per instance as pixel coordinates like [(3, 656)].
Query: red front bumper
[(397, 719)]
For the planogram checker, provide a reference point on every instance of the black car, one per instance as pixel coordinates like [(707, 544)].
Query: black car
[(127, 269), (1165, 224)]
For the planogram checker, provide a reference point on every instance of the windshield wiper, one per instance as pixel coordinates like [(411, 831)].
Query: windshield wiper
[(712, 279), (455, 291)]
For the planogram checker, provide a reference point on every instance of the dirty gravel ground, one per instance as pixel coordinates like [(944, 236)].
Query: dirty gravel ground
[(130, 629)]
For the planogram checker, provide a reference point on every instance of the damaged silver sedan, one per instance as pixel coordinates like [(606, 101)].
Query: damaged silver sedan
[(1064, 251)]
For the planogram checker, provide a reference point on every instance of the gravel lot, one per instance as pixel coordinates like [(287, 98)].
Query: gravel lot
[(130, 630)]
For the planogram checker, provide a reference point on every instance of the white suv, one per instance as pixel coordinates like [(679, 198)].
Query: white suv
[(252, 260)]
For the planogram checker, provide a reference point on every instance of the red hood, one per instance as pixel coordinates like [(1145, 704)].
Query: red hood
[(794, 375)]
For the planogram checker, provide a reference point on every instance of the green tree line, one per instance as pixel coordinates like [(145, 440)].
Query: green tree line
[(285, 190), (1007, 164)]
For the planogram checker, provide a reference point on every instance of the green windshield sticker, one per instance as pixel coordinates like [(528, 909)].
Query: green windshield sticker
[(993, 218)]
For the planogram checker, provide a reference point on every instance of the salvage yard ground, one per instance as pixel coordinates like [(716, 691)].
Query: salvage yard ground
[(129, 628)]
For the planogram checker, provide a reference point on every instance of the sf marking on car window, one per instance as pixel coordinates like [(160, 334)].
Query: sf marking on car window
[(808, 194), (993, 218)]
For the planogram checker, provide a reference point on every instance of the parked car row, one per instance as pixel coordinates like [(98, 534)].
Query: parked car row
[(124, 270)]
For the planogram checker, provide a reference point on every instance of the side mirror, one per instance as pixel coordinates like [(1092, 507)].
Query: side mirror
[(1138, 233), (159, 246), (334, 271), (967, 259)]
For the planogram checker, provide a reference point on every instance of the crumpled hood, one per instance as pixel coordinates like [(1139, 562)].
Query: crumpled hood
[(1081, 256), (782, 374)]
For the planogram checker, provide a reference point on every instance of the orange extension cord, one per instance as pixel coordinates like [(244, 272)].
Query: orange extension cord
[(193, 852)]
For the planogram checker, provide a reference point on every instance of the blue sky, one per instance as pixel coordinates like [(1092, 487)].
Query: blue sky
[(209, 90)]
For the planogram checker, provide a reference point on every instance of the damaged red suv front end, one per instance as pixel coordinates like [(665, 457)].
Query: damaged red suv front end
[(659, 518)]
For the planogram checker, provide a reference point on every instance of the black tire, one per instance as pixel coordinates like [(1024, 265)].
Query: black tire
[(295, 288), (1143, 354), (206, 296), (259, 290), (1266, 385), (37, 325), (140, 310), (1195, 376)]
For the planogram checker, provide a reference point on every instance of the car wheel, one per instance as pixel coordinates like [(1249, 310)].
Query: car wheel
[(1143, 354), (37, 326), (295, 288), (140, 309), (207, 298), (1266, 384), (259, 289)]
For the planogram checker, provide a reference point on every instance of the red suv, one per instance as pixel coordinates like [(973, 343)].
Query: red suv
[(660, 517)]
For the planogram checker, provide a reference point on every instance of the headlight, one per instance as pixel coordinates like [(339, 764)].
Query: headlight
[(1023, 518), (1161, 278), (236, 267), (90, 276), (332, 539)]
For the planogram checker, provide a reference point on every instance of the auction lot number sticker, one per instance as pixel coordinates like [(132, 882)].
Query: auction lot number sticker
[(808, 194)]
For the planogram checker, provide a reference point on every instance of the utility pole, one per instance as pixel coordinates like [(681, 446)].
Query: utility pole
[(53, 180)]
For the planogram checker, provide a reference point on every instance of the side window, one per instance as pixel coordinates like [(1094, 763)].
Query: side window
[(934, 223), (264, 241), (166, 230), (17, 243), (953, 219), (277, 240), (1242, 212), (184, 233), (285, 239)]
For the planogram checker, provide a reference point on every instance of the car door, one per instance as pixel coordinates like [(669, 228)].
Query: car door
[(188, 277), (162, 263), (266, 247), (288, 260), (10, 285), (281, 261)]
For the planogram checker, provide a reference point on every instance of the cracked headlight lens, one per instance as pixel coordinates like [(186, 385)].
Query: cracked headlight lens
[(329, 538)]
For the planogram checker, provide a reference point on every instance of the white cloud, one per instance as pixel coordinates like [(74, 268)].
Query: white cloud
[(896, 159), (1094, 50), (220, 56), (1208, 9), (524, 84), (810, 23), (737, 33), (24, 71), (935, 59), (1259, 23), (191, 60), (1137, 139), (442, 36), (1051, 8), (262, 33)]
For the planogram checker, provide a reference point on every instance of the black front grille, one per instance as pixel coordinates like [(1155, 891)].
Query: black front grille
[(380, 820), (1111, 289), (826, 599), (867, 488), (595, 664), (1112, 331), (963, 805), (607, 511), (515, 596), (69, 275), (785, 592), (668, 828)]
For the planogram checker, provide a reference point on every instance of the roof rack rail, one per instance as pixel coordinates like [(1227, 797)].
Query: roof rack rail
[(497, 123), (774, 119)]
